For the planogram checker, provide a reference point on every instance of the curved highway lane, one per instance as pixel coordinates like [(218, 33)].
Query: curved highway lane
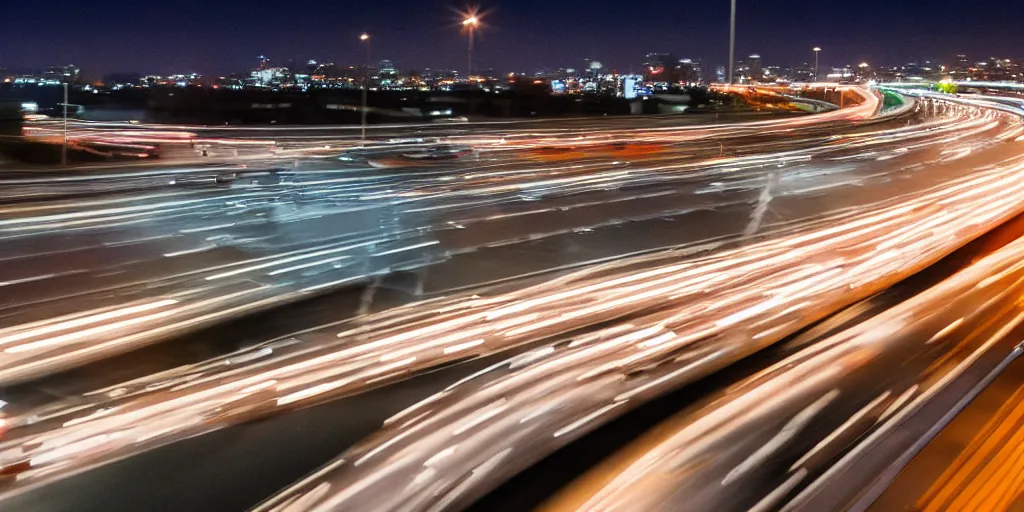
[(625, 262)]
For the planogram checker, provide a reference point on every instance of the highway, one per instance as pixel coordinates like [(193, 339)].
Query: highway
[(265, 310)]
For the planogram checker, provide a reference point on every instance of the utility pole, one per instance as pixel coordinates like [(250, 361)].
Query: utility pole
[(366, 84), (817, 50), (470, 23), (732, 41), (64, 150)]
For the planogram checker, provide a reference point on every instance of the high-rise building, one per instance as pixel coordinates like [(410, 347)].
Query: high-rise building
[(841, 74), (962, 64), (865, 72), (803, 73), (922, 70), (661, 67), (60, 74), (756, 72), (741, 71), (776, 74), (689, 71)]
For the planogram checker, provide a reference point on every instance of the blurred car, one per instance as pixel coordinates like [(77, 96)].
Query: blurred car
[(442, 152)]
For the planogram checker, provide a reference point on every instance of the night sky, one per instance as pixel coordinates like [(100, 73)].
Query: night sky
[(221, 36)]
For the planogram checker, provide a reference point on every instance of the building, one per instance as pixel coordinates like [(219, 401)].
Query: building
[(386, 69), (68, 73), (122, 79), (803, 73), (755, 69), (661, 67), (843, 74), (331, 75), (962, 64), (270, 78), (741, 72), (152, 81), (386, 75), (865, 72), (918, 71), (54, 75), (689, 71), (231, 82)]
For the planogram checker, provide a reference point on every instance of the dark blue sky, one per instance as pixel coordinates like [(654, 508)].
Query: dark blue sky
[(219, 36)]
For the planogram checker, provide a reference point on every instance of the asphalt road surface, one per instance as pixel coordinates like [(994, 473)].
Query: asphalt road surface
[(194, 263)]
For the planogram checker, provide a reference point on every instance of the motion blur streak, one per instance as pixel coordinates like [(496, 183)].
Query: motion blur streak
[(249, 218), (490, 136), (552, 395), (728, 455), (663, 319)]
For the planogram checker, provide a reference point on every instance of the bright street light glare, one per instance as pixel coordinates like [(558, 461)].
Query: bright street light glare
[(364, 37), (472, 20)]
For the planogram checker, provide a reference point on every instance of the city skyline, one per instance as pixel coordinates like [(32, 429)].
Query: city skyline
[(299, 65), (110, 37)]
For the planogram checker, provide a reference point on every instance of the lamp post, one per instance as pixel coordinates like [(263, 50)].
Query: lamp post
[(470, 23), (816, 52), (64, 150), (732, 41), (365, 38)]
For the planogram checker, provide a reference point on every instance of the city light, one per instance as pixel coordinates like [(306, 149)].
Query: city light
[(470, 18), (529, 249), (364, 37), (470, 22), (817, 50)]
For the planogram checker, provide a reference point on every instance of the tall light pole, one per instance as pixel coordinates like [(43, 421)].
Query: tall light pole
[(732, 41), (816, 52), (470, 23), (64, 150), (365, 38)]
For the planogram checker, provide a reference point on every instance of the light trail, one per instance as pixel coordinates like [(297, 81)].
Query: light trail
[(647, 354), (886, 377), (661, 305)]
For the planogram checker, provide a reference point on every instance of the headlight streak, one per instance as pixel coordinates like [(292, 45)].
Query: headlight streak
[(681, 315), (603, 376)]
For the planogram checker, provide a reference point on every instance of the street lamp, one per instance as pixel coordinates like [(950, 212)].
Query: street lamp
[(732, 40), (64, 149), (364, 37), (816, 52), (470, 23)]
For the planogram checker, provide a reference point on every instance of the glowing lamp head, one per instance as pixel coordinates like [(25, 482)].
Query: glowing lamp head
[(471, 21), (364, 37), (817, 49)]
